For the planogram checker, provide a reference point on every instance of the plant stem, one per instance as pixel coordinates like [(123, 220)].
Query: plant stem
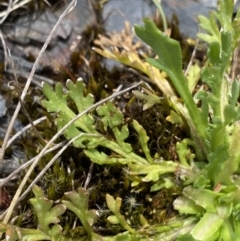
[(159, 7)]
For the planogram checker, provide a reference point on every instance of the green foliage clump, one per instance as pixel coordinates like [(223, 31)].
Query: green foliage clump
[(214, 123), (210, 179), (206, 177)]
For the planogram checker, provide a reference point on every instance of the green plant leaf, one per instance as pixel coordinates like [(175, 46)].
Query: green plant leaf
[(15, 233), (166, 182), (183, 151), (143, 139), (231, 165), (110, 202), (150, 99), (114, 205), (57, 102), (193, 77), (187, 206), (113, 118), (204, 198), (214, 53), (47, 213), (235, 91), (209, 25), (216, 162), (85, 128), (153, 172), (113, 219), (226, 11), (170, 60), (174, 118), (207, 227), (78, 203)]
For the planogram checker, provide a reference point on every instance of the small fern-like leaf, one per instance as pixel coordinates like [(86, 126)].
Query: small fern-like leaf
[(47, 213)]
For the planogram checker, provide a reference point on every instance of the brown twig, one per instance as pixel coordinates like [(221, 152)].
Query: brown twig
[(19, 91), (89, 176)]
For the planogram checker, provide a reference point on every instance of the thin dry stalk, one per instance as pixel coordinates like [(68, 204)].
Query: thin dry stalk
[(9, 130), (10, 126), (4, 50), (50, 163), (28, 163), (192, 57), (89, 176), (8, 11), (12, 7), (20, 132), (18, 89)]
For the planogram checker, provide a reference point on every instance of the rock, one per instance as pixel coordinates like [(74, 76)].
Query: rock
[(116, 13), (3, 107), (36, 31), (27, 35), (186, 11)]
